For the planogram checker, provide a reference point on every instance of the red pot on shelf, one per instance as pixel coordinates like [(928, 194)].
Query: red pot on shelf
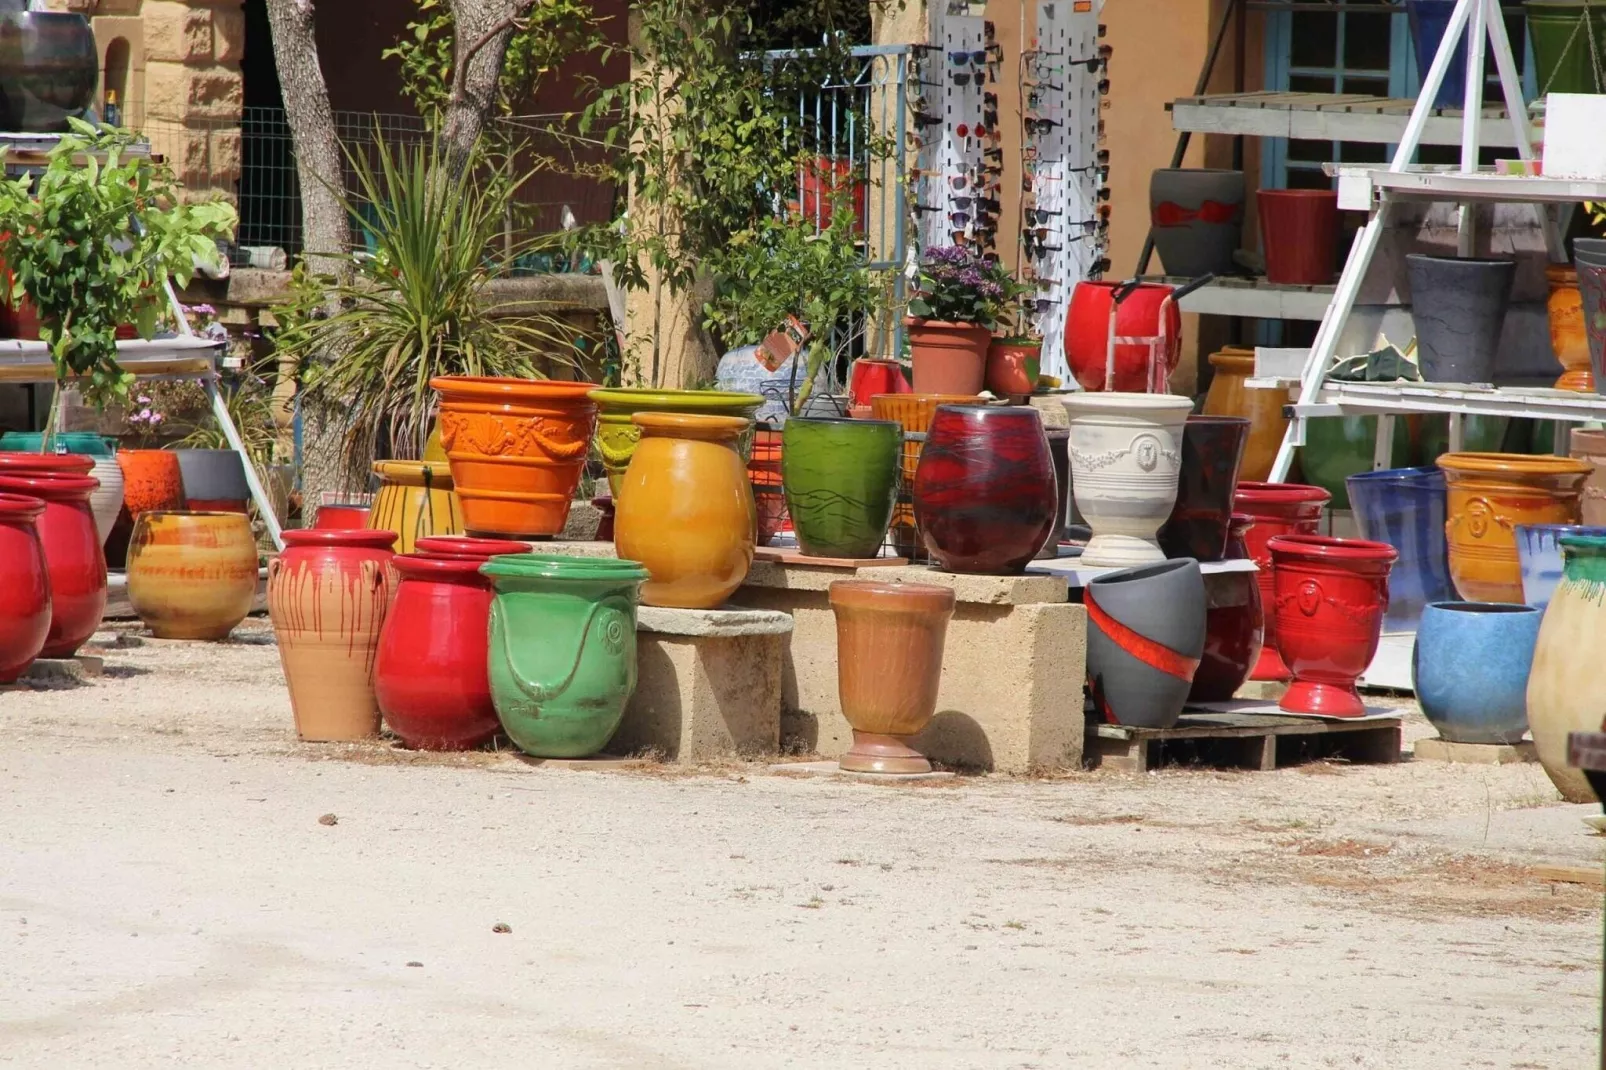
[(1235, 623), (1278, 509), (1330, 598), (1299, 231), (1087, 334), (430, 676), (24, 585), (341, 517), (73, 557), (871, 377)]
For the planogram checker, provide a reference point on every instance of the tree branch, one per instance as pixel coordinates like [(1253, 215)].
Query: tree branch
[(513, 21)]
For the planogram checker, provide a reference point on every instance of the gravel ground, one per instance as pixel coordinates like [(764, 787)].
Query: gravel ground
[(174, 891)]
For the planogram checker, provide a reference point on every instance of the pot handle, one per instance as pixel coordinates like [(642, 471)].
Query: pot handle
[(1478, 514), (275, 566), (540, 692)]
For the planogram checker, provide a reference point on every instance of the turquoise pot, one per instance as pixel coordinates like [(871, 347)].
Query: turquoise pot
[(840, 478), (562, 649), (83, 442)]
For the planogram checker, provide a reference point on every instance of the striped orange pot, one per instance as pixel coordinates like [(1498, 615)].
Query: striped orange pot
[(192, 575)]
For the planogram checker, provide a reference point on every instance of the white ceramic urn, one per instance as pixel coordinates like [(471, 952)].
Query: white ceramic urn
[(1125, 453), (107, 500)]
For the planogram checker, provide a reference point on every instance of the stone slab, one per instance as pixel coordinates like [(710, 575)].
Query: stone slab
[(795, 577), (710, 623), (1261, 690), (831, 769), (77, 668), (1442, 750), (788, 556), (980, 590), (602, 763)]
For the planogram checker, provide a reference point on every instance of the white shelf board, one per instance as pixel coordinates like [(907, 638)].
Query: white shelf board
[(1360, 399), (1257, 298), (179, 356), (1329, 117), (1452, 185)]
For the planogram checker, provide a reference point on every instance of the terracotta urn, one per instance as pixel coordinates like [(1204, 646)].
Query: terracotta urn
[(1329, 600), (1566, 689), (1212, 447), (1277, 509), (192, 575), (517, 448), (1235, 623), (415, 499), (1013, 365), (1589, 446), (889, 640), (24, 585), (73, 557), (984, 491), (1145, 635), (1126, 455), (1489, 495), (617, 433), (430, 677), (1228, 396), (764, 473), (562, 649), (328, 593), (947, 358), (912, 413), (685, 509), (840, 477), (1568, 339), (151, 480)]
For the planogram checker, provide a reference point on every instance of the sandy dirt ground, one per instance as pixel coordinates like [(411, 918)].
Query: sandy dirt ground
[(170, 896)]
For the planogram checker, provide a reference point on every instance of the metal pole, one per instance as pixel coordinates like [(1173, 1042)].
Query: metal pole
[(259, 494)]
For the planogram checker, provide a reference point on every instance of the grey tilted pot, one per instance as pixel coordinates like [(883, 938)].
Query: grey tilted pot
[(213, 476), (1459, 306), (1145, 634), (1196, 216)]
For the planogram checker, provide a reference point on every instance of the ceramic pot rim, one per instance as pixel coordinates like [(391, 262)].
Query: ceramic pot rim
[(1582, 542), (563, 567), (466, 546), (429, 566), (1320, 548), (51, 463), (1122, 401), (1417, 473), (1512, 464), (984, 408), (621, 400), (1492, 608), (1566, 529), (944, 325), (1297, 194), (1259, 493), (414, 474), (1431, 258), (55, 488), (892, 597), (495, 389), (855, 421), (340, 538), (17, 507), (185, 514), (1587, 438), (1230, 358), (690, 425), (1143, 572)]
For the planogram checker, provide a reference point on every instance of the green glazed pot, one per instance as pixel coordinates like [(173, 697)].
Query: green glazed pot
[(617, 436), (81, 442), (840, 478), (1337, 447), (562, 649)]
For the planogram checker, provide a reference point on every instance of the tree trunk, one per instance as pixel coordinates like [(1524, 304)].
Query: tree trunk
[(481, 30)]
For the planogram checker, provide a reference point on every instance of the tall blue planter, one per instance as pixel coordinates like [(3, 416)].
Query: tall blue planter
[(1470, 669), (1429, 19), (1405, 507), (1540, 558)]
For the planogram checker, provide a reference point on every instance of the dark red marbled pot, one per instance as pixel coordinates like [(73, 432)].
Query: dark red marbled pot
[(1234, 624), (984, 492), (1212, 448)]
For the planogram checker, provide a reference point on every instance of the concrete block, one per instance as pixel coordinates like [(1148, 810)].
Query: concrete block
[(228, 33), (1442, 750), (176, 92), (175, 32)]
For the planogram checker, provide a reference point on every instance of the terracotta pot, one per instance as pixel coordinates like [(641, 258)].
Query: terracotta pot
[(617, 435), (1263, 409), (1489, 495), (764, 473), (1126, 454), (840, 478), (467, 547), (1590, 447), (517, 448), (1329, 599), (73, 557), (192, 575), (327, 595), (1212, 447), (1012, 368), (871, 377), (151, 481), (686, 509), (889, 640), (1278, 509), (1564, 687), (1087, 334), (1299, 233), (1235, 625), (562, 649), (1568, 339), (912, 413), (336, 517), (1470, 668), (947, 358), (1145, 635), (24, 585), (430, 677), (984, 492), (415, 499)]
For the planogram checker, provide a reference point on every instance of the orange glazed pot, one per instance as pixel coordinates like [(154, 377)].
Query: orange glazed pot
[(1489, 495), (151, 481), (1568, 339), (516, 448)]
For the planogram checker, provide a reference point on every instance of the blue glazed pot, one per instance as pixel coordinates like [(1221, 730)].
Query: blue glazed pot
[(1405, 507), (1429, 19), (1470, 669), (1540, 558)]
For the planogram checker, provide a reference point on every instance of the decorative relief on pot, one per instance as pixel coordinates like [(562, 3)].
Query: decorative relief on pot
[(495, 436), (1125, 458)]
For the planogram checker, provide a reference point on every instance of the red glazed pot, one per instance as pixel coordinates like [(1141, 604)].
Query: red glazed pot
[(466, 547), (1234, 623), (430, 674), (1299, 230), (45, 464), (871, 377), (1087, 331), (24, 585), (1013, 367), (1330, 598), (1278, 509), (73, 557), (947, 358), (984, 490), (764, 473)]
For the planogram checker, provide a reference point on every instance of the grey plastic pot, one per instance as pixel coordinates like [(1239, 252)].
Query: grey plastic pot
[(1459, 305), (1145, 634), (213, 476), (1196, 216)]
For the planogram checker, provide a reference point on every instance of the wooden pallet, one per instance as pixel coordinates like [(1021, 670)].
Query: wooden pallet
[(1241, 741)]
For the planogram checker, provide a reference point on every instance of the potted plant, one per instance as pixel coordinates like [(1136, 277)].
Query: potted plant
[(1014, 360), (958, 298)]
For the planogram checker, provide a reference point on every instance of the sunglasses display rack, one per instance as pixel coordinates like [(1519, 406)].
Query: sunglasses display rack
[(955, 75), (1065, 221)]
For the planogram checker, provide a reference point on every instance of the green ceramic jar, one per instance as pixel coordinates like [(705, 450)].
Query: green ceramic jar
[(617, 435), (82, 442), (840, 479), (562, 649)]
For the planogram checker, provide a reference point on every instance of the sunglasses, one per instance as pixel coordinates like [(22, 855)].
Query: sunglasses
[(964, 58), (1040, 215), (964, 78), (924, 208), (1041, 126), (1042, 306)]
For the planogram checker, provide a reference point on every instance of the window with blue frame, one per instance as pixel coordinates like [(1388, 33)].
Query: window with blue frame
[(1359, 47)]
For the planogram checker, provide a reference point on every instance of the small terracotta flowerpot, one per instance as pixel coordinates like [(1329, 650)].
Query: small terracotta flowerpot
[(24, 585), (1012, 368), (192, 575), (1489, 495), (1329, 603), (73, 557), (151, 481), (948, 358), (889, 641), (1278, 509), (1590, 447)]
